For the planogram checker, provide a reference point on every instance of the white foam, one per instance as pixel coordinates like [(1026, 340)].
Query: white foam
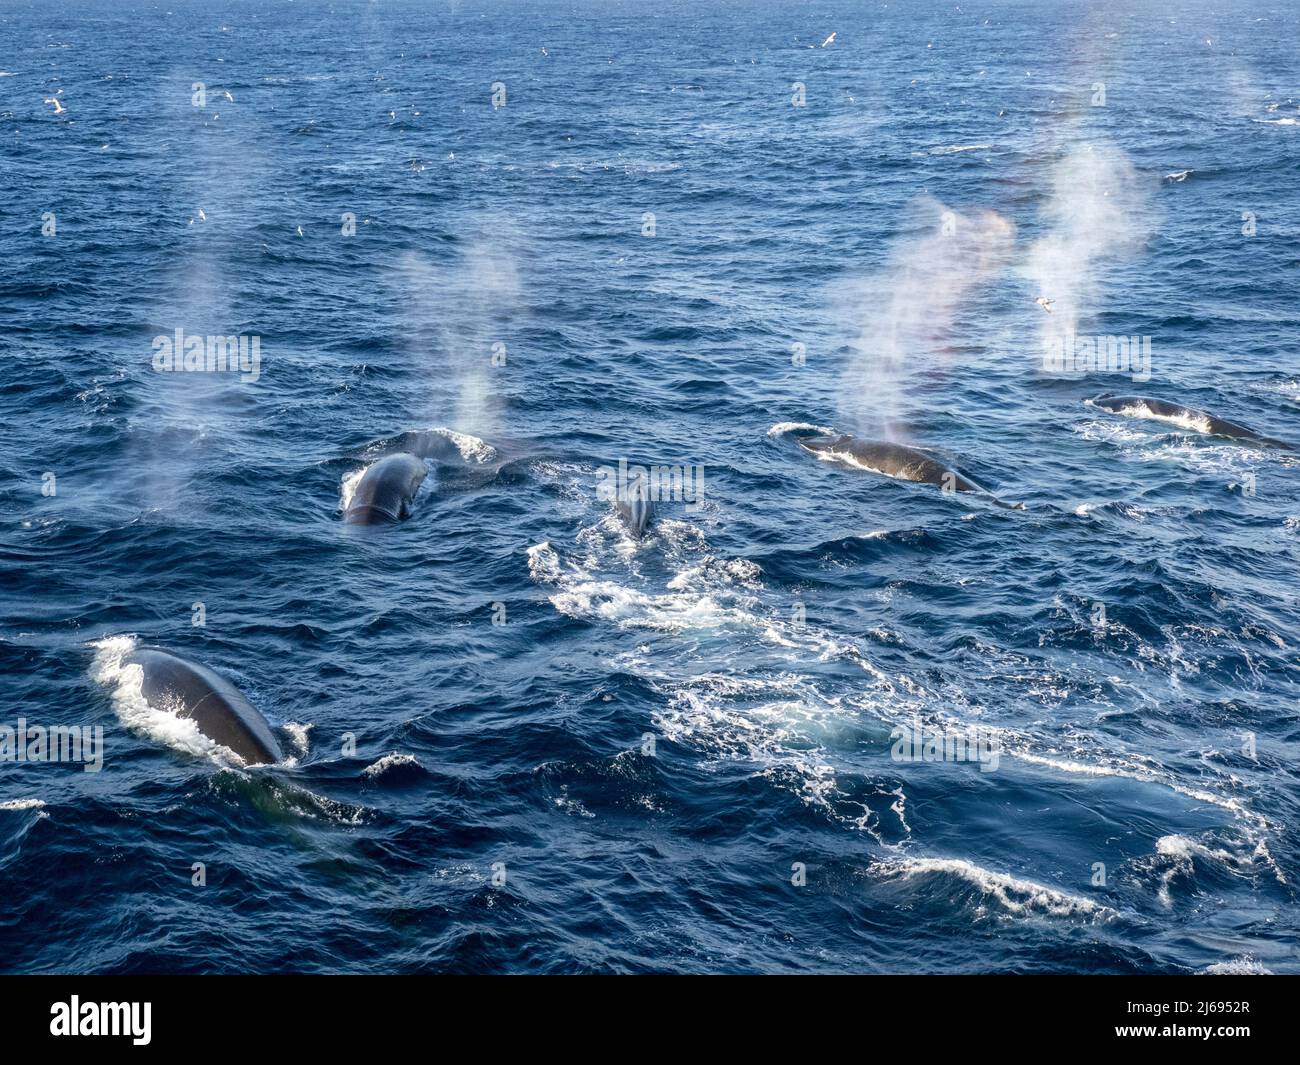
[(1244, 965), (690, 605), (739, 570), (786, 718), (780, 723), (389, 761), (298, 736), (781, 428), (348, 487), (571, 805), (543, 562), (847, 458), (629, 608), (1012, 893), (306, 803), (1112, 432), (1180, 850), (953, 149)]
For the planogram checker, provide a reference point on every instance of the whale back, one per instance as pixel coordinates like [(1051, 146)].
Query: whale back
[(217, 708), (426, 444), (384, 493), (1160, 408), (1185, 417), (637, 511), (890, 460)]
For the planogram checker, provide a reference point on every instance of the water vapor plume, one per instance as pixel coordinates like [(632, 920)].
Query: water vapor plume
[(913, 309)]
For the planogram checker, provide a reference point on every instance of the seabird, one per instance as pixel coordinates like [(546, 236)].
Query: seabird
[(828, 40), (1045, 303)]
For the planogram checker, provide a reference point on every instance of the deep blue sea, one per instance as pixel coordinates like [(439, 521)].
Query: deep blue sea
[(569, 233)]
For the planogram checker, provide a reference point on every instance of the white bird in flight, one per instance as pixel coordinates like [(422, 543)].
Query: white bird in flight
[(1045, 303), (58, 107), (829, 40)]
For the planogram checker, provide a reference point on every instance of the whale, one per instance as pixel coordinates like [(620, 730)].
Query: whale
[(1185, 418), (433, 444), (636, 509), (383, 495), (894, 460), (217, 708)]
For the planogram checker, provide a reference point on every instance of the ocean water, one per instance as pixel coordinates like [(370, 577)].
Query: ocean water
[(523, 741)]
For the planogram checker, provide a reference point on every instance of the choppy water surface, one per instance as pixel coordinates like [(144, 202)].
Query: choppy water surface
[(662, 734)]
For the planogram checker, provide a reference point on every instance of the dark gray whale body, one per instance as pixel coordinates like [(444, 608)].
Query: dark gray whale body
[(384, 493), (895, 460), (216, 706), (637, 511), (425, 444), (1184, 417)]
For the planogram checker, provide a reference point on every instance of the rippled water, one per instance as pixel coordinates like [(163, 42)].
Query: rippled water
[(663, 734)]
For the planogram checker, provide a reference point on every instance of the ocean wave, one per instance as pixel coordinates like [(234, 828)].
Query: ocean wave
[(953, 149), (1244, 965), (1013, 894), (389, 763)]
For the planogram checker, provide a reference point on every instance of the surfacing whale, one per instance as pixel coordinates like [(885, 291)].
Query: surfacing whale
[(636, 509), (383, 495), (894, 460), (1185, 418), (217, 708), (442, 446)]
